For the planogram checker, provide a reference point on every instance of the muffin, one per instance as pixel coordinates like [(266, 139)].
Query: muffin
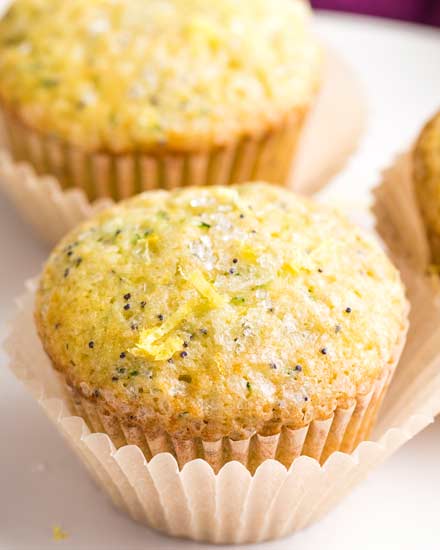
[(426, 176), (226, 323), (118, 97)]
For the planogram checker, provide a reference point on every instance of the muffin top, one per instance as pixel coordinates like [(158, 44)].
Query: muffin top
[(427, 180), (116, 75), (226, 310)]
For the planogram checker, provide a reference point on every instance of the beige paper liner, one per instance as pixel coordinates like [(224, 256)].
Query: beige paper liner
[(342, 431), (233, 506), (400, 224), (105, 175), (53, 211)]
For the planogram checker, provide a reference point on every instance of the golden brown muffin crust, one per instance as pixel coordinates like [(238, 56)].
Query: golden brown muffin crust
[(427, 182), (137, 76), (220, 311)]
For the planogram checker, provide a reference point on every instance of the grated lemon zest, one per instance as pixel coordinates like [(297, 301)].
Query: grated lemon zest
[(154, 342), (298, 262), (248, 253), (150, 344), (203, 287)]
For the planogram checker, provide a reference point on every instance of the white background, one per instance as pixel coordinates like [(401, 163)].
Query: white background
[(41, 482)]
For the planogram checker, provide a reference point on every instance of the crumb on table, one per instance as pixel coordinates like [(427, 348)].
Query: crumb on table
[(58, 533)]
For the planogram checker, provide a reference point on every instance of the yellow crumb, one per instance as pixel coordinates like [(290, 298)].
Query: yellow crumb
[(58, 533)]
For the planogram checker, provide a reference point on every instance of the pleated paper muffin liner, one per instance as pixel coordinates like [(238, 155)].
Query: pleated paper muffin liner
[(92, 181), (233, 505), (342, 431), (119, 176), (399, 221)]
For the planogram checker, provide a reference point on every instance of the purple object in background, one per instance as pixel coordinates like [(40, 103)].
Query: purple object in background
[(435, 16), (421, 11)]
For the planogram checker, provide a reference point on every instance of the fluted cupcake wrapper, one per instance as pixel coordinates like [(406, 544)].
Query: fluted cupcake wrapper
[(233, 505), (341, 432), (400, 223), (55, 186), (119, 176)]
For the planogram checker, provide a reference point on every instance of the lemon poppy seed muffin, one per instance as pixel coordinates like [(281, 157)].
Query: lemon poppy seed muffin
[(427, 182), (152, 93), (207, 315)]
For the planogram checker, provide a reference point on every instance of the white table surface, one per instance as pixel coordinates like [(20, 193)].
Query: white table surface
[(41, 482)]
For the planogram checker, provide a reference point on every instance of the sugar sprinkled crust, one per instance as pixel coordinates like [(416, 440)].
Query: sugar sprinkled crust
[(220, 311), (123, 76)]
